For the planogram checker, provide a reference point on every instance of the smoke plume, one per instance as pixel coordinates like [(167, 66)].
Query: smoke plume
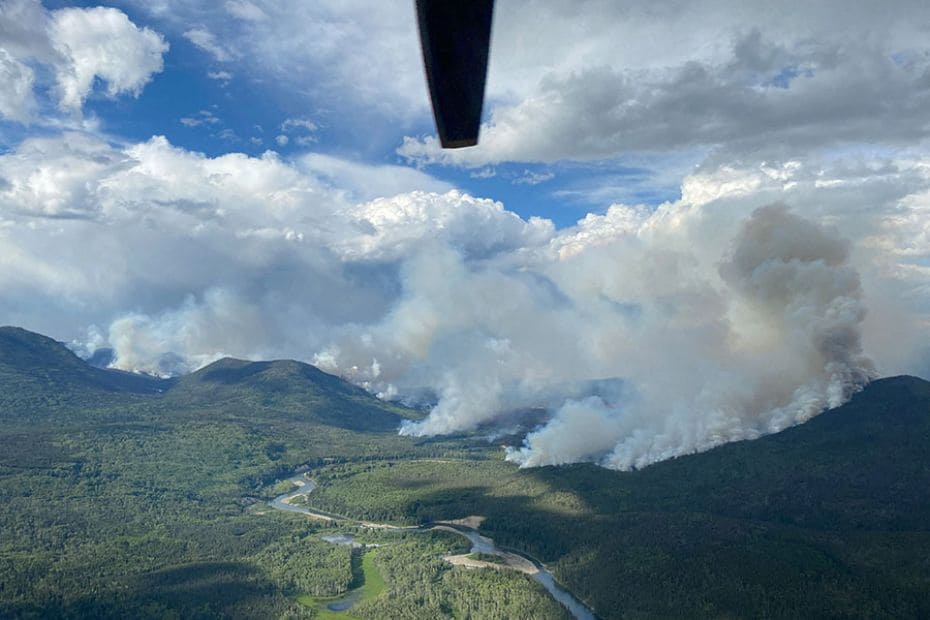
[(645, 333), (788, 346)]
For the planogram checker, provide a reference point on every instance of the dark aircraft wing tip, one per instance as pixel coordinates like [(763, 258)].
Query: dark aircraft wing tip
[(459, 144), (455, 37)]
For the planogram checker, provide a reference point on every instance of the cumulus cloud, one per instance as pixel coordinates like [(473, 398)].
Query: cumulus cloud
[(245, 227), (611, 80), (792, 267), (720, 315), (301, 130), (393, 227), (764, 98), (364, 182), (24, 28), (78, 46), (294, 123), (102, 43)]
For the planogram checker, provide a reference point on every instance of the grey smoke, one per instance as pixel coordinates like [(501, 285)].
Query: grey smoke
[(646, 333), (789, 348)]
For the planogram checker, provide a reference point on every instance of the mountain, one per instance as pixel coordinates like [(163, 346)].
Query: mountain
[(828, 519), (288, 386), (859, 466), (120, 500), (39, 370), (130, 496), (34, 368)]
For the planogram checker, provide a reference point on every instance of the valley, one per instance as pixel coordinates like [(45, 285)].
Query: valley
[(299, 501), (126, 495)]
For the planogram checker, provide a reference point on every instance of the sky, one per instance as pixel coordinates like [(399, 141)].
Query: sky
[(685, 223)]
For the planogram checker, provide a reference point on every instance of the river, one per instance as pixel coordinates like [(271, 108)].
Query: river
[(479, 542)]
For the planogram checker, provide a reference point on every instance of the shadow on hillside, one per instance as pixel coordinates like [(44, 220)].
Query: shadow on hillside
[(826, 519), (203, 590)]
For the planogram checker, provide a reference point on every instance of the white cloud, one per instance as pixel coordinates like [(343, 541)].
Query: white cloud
[(533, 178), (763, 98), (53, 177), (394, 227), (205, 40), (484, 173), (203, 117), (78, 47), (17, 101), (293, 123), (722, 321), (220, 76), (24, 31), (306, 49), (612, 80), (364, 182), (245, 10), (301, 130), (103, 43)]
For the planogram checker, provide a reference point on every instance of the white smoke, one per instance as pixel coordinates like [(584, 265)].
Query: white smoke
[(789, 346), (174, 342), (720, 319)]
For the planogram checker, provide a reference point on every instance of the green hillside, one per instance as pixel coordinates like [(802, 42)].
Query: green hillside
[(287, 387), (128, 496), (827, 519), (36, 371)]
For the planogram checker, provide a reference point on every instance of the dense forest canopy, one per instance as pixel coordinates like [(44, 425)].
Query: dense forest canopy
[(126, 495)]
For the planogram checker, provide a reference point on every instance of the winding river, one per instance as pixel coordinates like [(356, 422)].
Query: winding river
[(480, 544)]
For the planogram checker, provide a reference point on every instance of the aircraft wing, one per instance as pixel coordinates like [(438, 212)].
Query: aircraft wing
[(456, 37)]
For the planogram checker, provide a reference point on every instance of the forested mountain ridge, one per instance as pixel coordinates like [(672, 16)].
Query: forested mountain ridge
[(857, 466), (117, 500), (827, 519), (830, 518), (292, 386), (39, 370), (34, 367)]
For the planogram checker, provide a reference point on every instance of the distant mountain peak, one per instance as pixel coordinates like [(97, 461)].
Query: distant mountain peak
[(38, 363), (35, 370), (23, 346), (232, 370), (272, 377)]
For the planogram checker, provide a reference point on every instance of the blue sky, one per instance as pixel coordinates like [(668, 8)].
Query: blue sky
[(238, 110)]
